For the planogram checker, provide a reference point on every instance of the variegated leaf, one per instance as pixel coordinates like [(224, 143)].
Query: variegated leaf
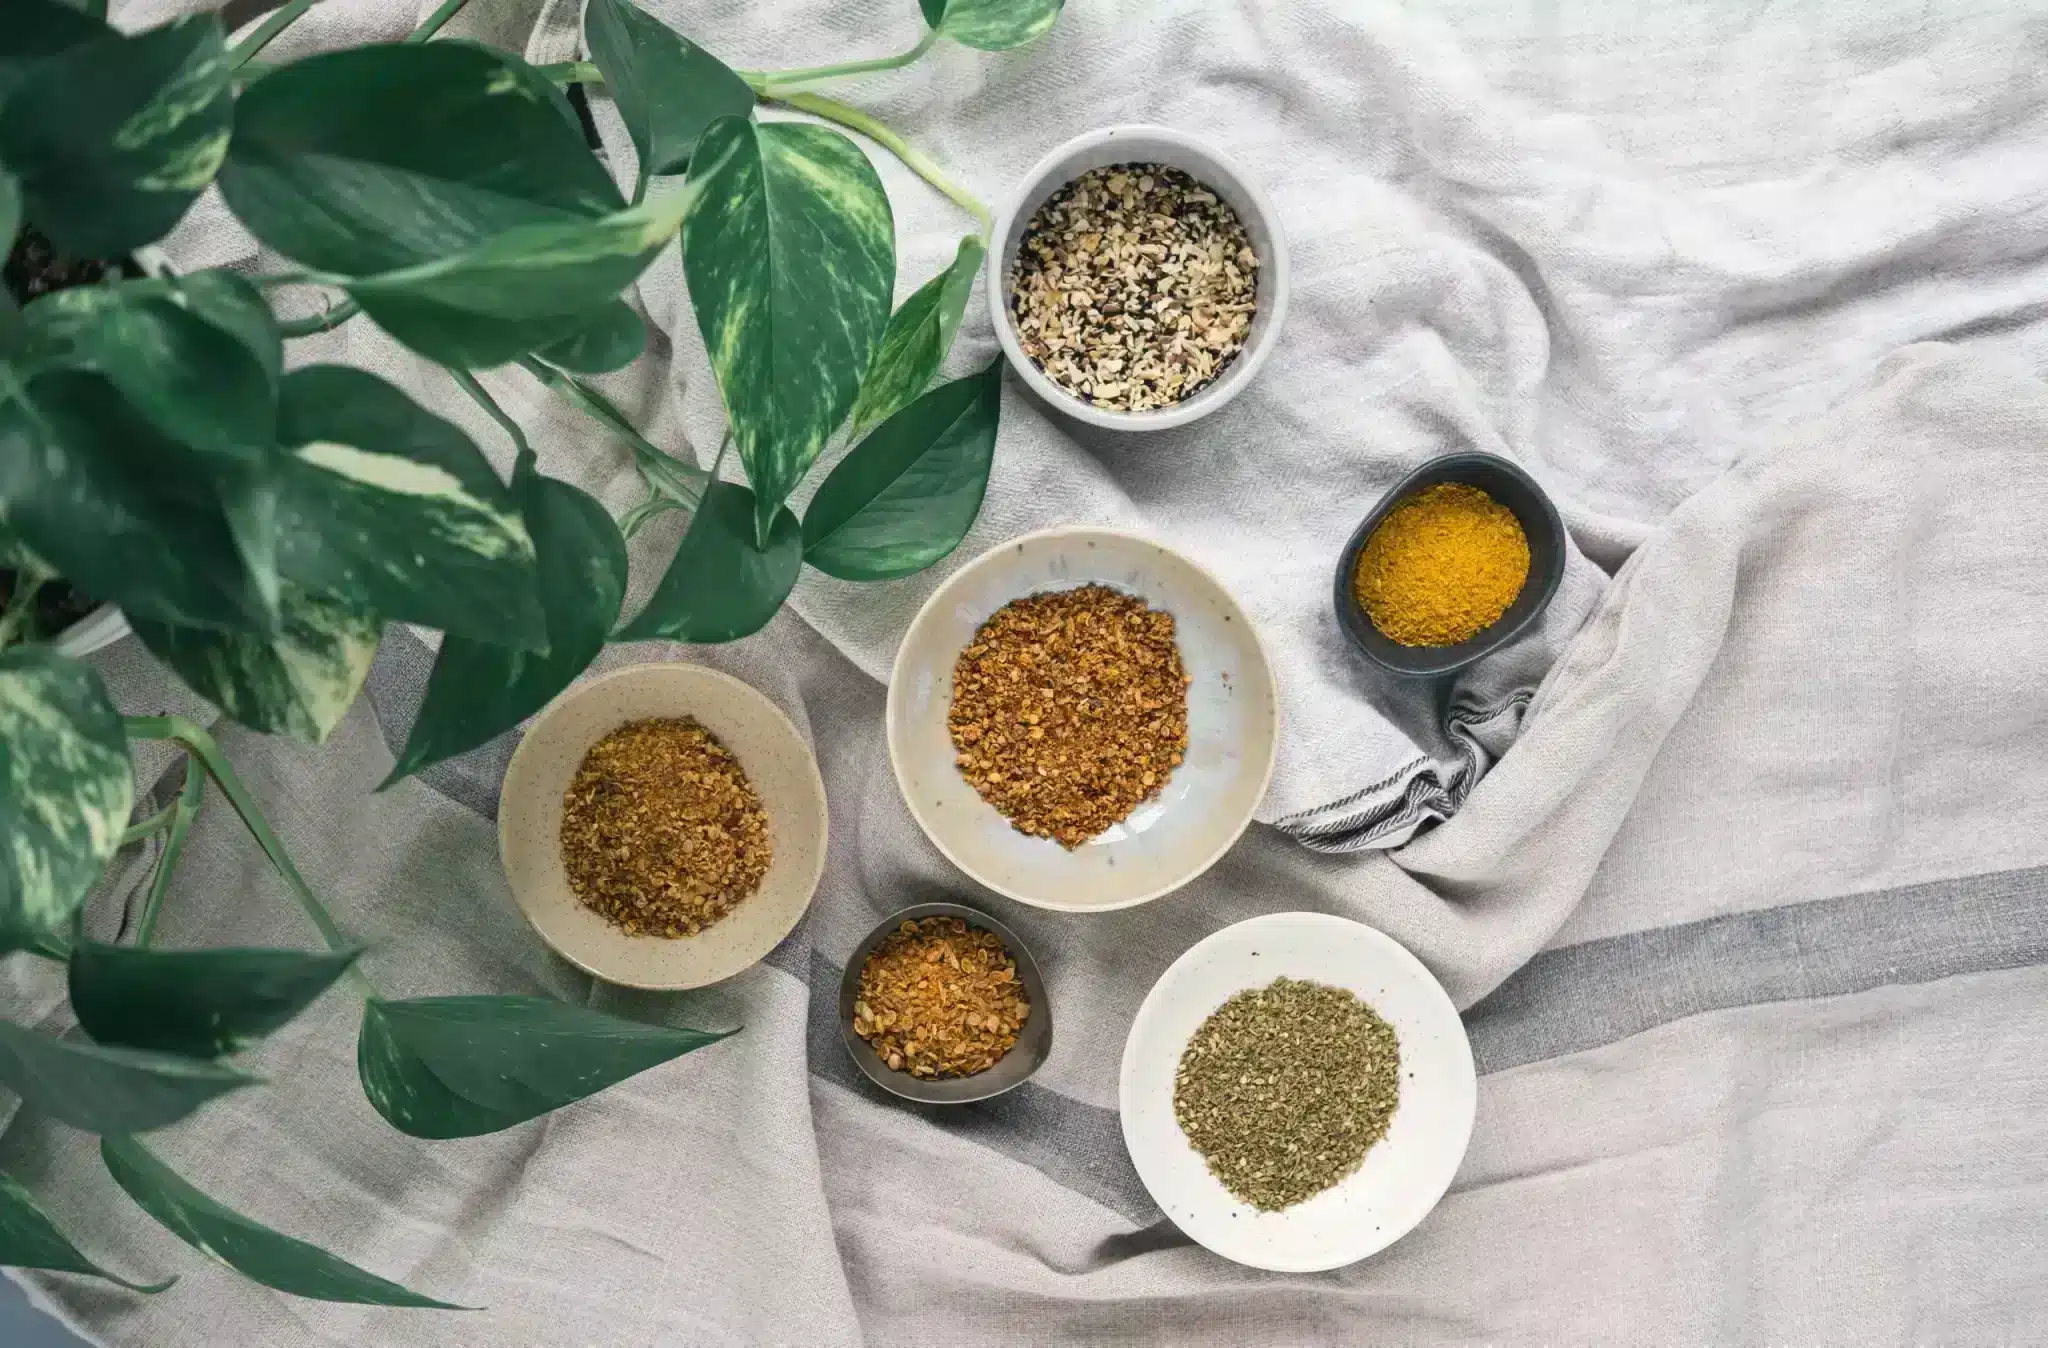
[(915, 343), (296, 681), (120, 510), (668, 89), (389, 510), (992, 25), (528, 287), (115, 137), (378, 158), (478, 692), (65, 789), (908, 494), (790, 251)]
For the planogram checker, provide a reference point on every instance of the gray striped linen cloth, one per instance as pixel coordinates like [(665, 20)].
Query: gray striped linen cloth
[(1743, 869)]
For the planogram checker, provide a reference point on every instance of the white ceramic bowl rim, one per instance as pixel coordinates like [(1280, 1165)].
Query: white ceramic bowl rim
[(940, 597), (1222, 173)]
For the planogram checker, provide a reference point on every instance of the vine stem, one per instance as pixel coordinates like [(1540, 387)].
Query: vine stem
[(600, 409), (481, 396), (280, 20), (148, 828), (183, 811), (771, 83), (328, 319), (913, 158), (193, 738), (437, 20)]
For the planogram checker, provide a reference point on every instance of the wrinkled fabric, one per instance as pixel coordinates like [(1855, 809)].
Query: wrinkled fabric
[(1748, 908)]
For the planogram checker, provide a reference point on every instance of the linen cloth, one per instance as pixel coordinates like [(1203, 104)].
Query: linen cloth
[(1750, 920)]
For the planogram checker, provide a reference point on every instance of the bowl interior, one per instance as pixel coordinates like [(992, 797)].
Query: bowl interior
[(1167, 841), (1027, 1055), (1506, 483), (1144, 145), (776, 761), (1404, 1174)]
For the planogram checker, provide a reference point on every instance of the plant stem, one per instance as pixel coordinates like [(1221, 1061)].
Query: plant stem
[(481, 396), (915, 159), (681, 482), (148, 828), (448, 10), (280, 20), (183, 811), (771, 83), (279, 280), (21, 605), (194, 740), (330, 318), (573, 72)]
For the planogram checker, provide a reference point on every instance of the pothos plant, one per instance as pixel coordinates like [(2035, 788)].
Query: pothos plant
[(259, 522)]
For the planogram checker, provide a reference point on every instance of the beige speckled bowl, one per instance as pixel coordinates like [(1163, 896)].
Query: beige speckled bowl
[(776, 760), (1233, 726)]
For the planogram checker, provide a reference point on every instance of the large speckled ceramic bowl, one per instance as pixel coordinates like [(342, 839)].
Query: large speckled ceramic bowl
[(775, 759), (1404, 1174), (1233, 726)]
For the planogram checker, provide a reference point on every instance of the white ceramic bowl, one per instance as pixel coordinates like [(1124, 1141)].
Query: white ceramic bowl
[(776, 761), (1144, 145), (1233, 725), (1401, 1178)]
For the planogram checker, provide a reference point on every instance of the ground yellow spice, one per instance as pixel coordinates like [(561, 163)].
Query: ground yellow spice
[(1442, 566)]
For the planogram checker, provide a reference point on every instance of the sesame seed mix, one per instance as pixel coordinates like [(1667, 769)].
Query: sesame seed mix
[(1134, 287)]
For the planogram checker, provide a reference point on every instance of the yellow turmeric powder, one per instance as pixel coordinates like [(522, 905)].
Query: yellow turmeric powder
[(1442, 566)]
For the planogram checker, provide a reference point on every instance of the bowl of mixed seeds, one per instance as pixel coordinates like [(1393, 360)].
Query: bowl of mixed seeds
[(1141, 278), (662, 826), (1082, 719), (1297, 1092)]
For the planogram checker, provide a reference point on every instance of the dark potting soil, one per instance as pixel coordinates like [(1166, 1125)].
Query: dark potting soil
[(34, 268)]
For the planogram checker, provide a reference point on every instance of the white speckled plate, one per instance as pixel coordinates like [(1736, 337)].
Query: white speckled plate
[(776, 760), (1401, 1178), (1233, 726)]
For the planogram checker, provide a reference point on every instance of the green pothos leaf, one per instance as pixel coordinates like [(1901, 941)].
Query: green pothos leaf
[(614, 341), (123, 512), (908, 494), (114, 137), (790, 251), (65, 789), (915, 343), (462, 1066), (29, 1239), (298, 680), (526, 288), (477, 691), (992, 25), (668, 88), (248, 1247), (720, 586), (38, 30), (388, 510), (197, 1003), (13, 332), (378, 158), (108, 1090)]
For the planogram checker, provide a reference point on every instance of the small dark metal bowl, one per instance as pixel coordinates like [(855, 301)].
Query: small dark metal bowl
[(1513, 488), (1034, 1040)]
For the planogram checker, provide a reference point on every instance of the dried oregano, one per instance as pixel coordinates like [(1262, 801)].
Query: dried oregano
[(1285, 1088)]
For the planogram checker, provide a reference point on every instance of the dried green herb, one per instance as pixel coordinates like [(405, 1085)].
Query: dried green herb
[(1285, 1088)]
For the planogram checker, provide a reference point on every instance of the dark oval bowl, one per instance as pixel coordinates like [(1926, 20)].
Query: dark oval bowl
[(1504, 482), (1025, 1057)]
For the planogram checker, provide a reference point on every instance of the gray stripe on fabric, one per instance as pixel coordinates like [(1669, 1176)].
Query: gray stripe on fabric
[(1584, 996), (1079, 1146)]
